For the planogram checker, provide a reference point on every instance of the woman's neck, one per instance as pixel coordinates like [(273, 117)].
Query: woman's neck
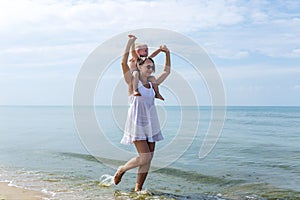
[(143, 79)]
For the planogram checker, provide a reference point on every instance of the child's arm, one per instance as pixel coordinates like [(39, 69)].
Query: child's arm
[(157, 51), (154, 53)]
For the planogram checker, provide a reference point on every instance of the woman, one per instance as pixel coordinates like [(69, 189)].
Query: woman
[(142, 125)]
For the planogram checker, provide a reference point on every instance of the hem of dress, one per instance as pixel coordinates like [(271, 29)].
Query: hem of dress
[(129, 142)]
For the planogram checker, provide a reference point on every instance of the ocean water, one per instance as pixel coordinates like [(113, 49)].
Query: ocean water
[(256, 157)]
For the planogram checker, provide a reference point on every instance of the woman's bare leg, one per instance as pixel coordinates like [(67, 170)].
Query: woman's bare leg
[(143, 169), (144, 158)]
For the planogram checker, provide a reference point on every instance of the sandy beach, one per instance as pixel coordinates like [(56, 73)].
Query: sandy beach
[(14, 193)]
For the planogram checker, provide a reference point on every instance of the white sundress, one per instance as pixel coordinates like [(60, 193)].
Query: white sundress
[(142, 120)]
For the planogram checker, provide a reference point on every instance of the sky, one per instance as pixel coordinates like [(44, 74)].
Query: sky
[(255, 45)]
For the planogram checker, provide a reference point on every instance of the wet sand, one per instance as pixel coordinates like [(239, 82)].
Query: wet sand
[(13, 193)]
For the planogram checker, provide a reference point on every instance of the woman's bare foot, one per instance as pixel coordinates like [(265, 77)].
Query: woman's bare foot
[(158, 96), (138, 188), (118, 175)]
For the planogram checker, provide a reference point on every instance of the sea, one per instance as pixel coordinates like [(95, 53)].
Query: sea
[(256, 155)]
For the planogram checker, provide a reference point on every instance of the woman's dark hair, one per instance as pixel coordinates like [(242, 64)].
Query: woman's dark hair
[(141, 60)]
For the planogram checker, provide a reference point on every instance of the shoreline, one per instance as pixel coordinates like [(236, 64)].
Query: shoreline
[(12, 193)]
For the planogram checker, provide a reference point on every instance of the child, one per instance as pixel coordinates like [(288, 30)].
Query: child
[(139, 52)]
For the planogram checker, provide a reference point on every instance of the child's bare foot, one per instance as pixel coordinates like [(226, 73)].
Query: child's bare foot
[(158, 96), (118, 175), (136, 93)]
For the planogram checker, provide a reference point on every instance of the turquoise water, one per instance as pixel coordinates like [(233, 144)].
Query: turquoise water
[(256, 157)]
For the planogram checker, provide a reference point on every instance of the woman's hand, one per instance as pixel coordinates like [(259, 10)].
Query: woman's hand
[(132, 38), (164, 48)]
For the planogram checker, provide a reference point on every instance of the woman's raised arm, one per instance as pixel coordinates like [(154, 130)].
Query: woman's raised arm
[(167, 69), (125, 68)]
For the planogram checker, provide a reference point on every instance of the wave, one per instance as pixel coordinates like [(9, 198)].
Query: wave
[(180, 173), (155, 195)]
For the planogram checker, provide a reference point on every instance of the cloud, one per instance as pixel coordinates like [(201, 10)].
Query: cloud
[(297, 87), (46, 55), (239, 28), (180, 15), (295, 52), (275, 38), (31, 27), (221, 50), (268, 28), (254, 72)]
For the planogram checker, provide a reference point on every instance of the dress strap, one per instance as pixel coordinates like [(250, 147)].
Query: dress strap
[(150, 83)]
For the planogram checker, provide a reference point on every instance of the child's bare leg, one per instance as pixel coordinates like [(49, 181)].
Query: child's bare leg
[(152, 79), (135, 82), (156, 90)]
